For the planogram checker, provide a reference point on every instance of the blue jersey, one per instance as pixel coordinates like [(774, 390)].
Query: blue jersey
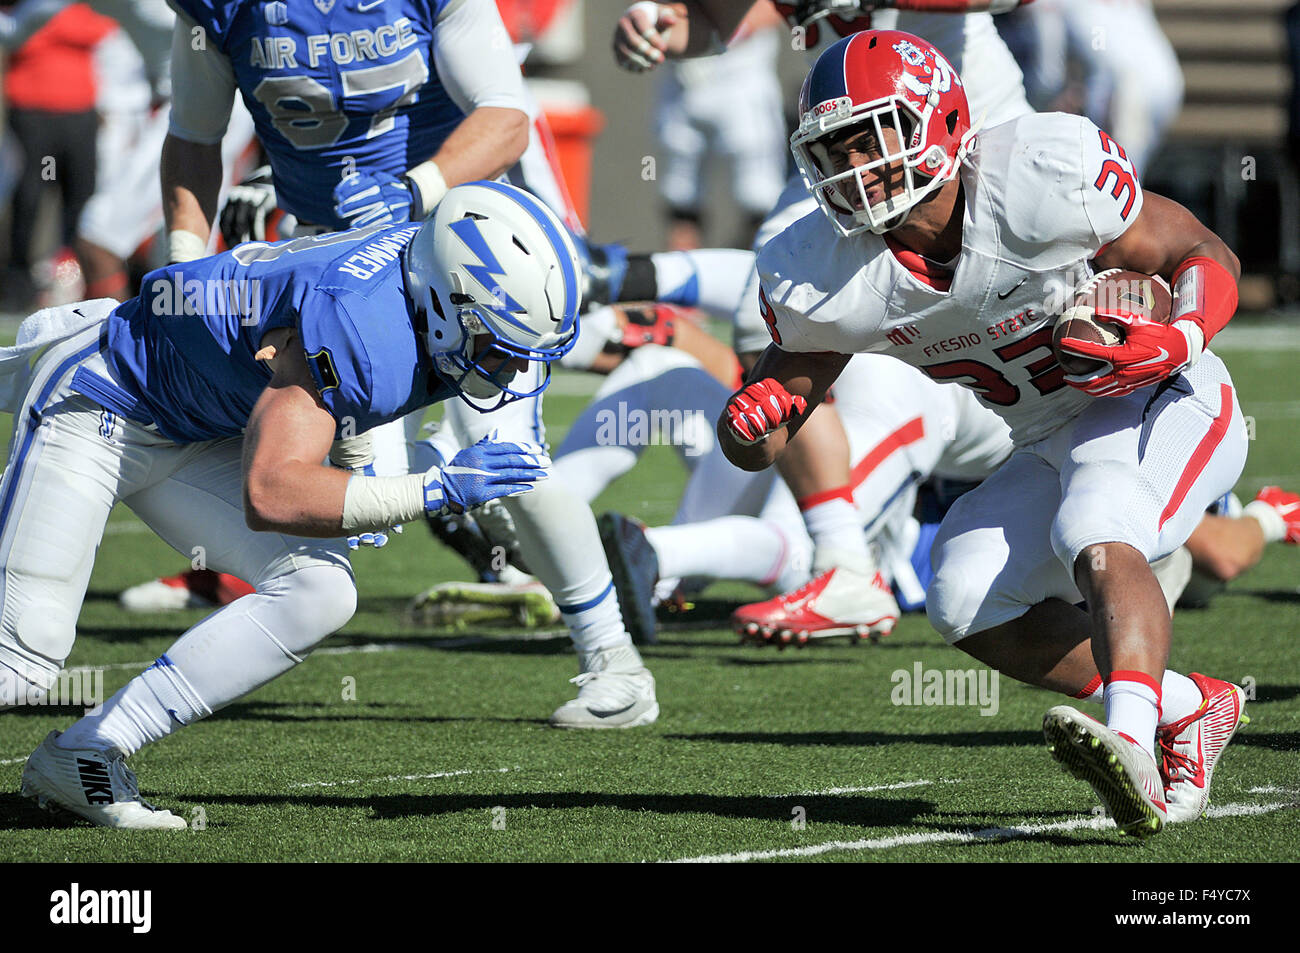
[(334, 86), (181, 355)]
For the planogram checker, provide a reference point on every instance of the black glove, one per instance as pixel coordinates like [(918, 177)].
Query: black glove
[(243, 217)]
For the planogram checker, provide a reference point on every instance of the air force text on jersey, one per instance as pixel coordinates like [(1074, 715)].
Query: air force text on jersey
[(282, 52)]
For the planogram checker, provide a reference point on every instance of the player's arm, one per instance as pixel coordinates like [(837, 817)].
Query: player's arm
[(782, 391), (647, 32), (1167, 240), (475, 62), (286, 487), (203, 92)]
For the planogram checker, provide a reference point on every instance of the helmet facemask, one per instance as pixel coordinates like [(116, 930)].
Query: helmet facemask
[(899, 132), (481, 365)]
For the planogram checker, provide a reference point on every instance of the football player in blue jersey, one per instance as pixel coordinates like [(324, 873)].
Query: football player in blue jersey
[(368, 112), (210, 404)]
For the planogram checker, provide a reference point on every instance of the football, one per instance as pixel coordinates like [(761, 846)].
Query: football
[(1129, 291)]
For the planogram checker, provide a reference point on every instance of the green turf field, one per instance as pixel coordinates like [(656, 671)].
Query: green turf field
[(444, 752)]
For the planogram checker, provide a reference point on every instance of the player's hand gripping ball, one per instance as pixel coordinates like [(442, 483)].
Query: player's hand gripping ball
[(1116, 338)]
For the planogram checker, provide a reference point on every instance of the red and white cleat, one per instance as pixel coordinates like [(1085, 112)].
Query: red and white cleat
[(837, 602), (192, 589), (1287, 506), (1121, 772), (1190, 746)]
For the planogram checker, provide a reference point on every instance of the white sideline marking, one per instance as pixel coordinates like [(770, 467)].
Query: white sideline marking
[(12, 760), (403, 777), (959, 837), (873, 787)]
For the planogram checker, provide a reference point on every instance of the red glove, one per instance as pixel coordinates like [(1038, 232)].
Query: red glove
[(761, 408), (654, 325), (1151, 352)]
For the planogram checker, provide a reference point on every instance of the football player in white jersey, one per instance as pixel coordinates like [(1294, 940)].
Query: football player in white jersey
[(730, 524), (817, 469), (950, 250)]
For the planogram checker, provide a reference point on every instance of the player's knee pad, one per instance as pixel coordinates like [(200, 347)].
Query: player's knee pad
[(313, 603), (43, 635), (951, 604)]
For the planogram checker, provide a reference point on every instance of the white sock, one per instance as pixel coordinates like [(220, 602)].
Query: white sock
[(731, 547), (559, 541), (597, 624), (1132, 707), (232, 652), (1179, 697), (146, 709), (1269, 519), (836, 530), (1094, 691)]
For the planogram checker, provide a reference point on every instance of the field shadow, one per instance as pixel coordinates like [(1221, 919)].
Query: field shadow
[(855, 811), (1270, 595), (870, 739), (349, 711), (1274, 741)]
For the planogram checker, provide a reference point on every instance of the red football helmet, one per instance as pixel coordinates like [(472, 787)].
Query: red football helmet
[(876, 81)]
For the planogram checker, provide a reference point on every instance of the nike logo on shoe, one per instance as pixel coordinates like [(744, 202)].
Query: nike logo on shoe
[(95, 783), (610, 714)]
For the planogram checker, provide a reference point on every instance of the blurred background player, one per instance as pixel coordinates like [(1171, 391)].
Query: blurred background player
[(728, 106), (50, 93), (1132, 85), (132, 88)]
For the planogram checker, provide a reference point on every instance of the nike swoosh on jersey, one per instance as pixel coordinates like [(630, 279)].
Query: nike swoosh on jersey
[(1003, 297), (363, 7)]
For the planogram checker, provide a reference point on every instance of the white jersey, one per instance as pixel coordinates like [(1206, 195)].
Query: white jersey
[(1043, 195)]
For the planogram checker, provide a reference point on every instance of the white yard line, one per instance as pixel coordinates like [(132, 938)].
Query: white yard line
[(959, 837), (897, 786), (12, 760), (403, 777)]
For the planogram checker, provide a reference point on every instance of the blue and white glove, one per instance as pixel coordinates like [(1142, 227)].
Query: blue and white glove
[(486, 471), (372, 198)]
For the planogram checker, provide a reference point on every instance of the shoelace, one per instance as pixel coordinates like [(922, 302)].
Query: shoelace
[(1173, 764), (123, 778)]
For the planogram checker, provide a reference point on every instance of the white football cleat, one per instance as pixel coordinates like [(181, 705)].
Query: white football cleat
[(96, 785), (615, 690), (1122, 773), (839, 601), (1190, 746)]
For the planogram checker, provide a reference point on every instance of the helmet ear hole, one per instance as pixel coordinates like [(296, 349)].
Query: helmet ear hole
[(952, 121)]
